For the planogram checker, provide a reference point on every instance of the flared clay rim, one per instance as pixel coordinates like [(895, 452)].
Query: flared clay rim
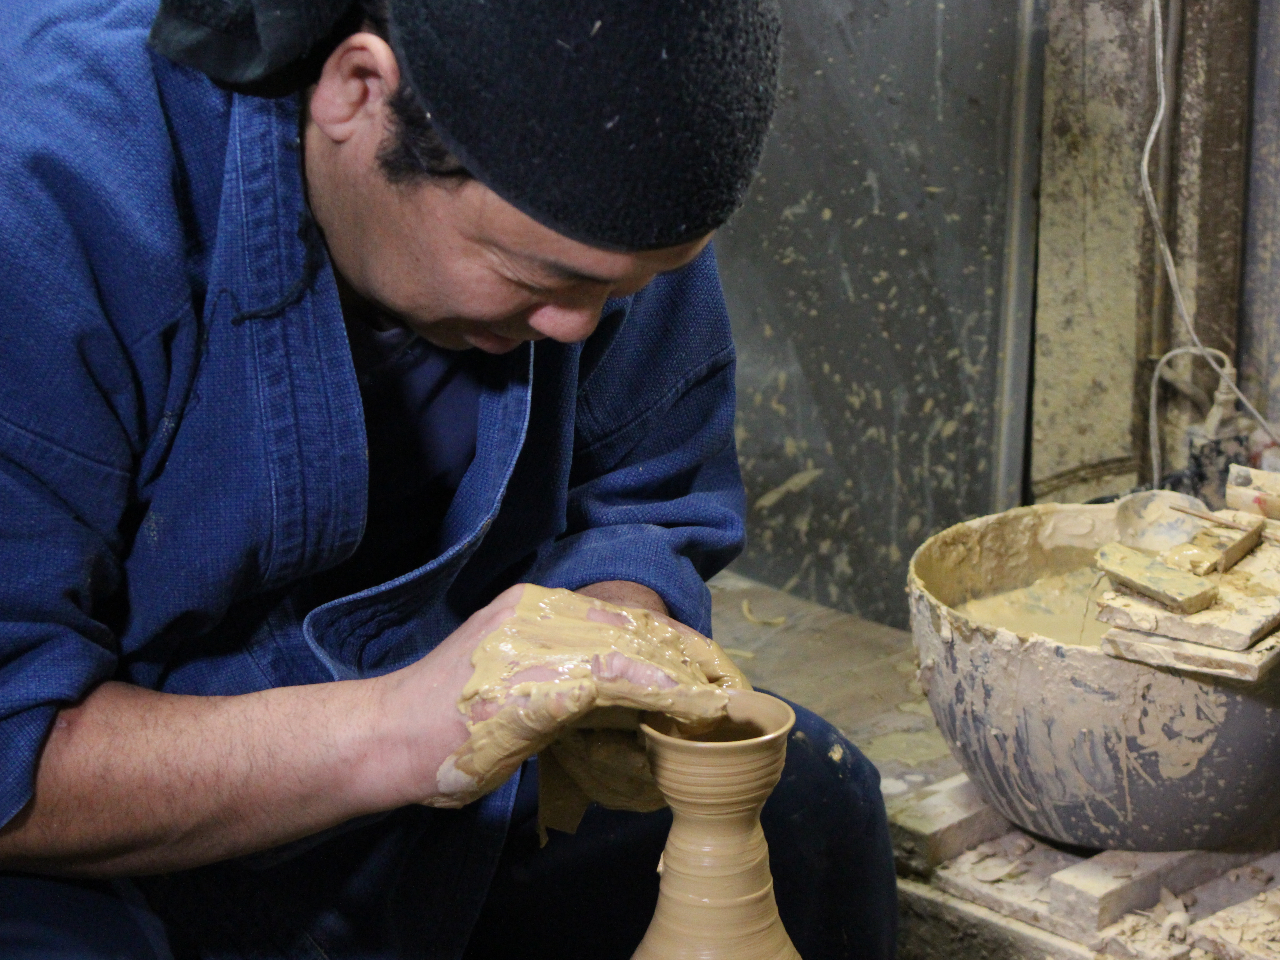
[(750, 706)]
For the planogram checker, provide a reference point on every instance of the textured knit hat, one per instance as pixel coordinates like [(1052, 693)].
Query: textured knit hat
[(627, 124)]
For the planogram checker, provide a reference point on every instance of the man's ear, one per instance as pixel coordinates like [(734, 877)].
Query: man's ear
[(355, 85)]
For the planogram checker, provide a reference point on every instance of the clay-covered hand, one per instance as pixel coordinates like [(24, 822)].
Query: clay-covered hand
[(558, 656)]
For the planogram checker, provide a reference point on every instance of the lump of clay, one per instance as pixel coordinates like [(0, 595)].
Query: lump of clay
[(610, 767)]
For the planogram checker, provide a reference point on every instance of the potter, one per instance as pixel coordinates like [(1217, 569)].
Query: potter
[(343, 341)]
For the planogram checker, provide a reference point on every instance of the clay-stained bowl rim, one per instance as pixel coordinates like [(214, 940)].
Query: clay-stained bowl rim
[(744, 706), (1038, 514)]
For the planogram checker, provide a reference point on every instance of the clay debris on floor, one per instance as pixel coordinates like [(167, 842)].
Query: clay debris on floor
[(963, 867)]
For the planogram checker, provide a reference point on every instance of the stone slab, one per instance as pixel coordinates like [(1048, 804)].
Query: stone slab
[(1235, 621)]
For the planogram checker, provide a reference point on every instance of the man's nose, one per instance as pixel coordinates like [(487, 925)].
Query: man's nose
[(567, 324)]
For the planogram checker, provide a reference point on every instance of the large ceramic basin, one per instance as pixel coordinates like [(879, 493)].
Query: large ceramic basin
[(1067, 742)]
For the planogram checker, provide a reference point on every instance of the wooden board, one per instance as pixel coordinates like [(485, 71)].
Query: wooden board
[(1246, 665), (937, 823), (1181, 591), (1100, 890), (1235, 621)]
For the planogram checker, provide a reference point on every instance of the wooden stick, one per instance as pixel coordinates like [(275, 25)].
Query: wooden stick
[(1222, 521)]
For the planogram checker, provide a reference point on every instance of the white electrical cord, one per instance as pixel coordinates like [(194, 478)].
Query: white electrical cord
[(1153, 423), (1225, 372)]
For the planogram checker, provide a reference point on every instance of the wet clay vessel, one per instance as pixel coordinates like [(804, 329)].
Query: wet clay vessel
[(716, 895)]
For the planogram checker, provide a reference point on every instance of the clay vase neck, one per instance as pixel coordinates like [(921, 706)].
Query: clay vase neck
[(715, 900)]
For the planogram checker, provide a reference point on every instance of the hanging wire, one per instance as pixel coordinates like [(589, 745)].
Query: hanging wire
[(1225, 372)]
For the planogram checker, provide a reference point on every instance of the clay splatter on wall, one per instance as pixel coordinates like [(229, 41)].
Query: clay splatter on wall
[(863, 276)]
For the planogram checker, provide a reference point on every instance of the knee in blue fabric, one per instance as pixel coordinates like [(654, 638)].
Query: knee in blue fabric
[(46, 919), (829, 847)]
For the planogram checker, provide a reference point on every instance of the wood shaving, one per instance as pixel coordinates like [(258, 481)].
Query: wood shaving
[(761, 621)]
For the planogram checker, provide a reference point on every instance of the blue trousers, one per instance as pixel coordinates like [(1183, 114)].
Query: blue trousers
[(590, 895)]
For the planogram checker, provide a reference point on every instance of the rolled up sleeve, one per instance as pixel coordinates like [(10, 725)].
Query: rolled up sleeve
[(78, 251), (52, 650)]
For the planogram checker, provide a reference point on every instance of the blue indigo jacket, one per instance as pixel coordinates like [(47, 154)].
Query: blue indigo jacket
[(181, 435)]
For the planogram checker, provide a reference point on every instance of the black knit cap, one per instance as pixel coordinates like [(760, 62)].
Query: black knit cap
[(625, 124)]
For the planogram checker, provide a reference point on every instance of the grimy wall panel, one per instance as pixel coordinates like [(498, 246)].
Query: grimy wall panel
[(880, 307)]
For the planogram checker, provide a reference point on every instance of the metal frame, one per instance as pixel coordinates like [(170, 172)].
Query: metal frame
[(1019, 274)]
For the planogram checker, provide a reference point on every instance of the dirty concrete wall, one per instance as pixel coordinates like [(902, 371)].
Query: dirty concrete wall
[(869, 279), (1206, 210)]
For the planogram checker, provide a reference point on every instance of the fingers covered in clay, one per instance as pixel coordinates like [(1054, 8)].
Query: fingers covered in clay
[(705, 652), (715, 663), (556, 656), (500, 742)]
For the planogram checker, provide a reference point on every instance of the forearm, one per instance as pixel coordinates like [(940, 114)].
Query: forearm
[(131, 781)]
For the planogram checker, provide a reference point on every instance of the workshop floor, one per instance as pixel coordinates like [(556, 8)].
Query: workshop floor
[(859, 675)]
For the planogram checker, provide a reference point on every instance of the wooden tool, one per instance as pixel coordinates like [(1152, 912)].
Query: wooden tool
[(1177, 589), (1224, 522)]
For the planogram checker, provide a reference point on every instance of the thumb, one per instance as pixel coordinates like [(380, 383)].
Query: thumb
[(498, 745)]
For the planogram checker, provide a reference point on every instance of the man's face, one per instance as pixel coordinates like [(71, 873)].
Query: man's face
[(463, 268), (450, 260)]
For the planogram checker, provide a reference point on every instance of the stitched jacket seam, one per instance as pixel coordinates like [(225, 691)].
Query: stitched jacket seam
[(52, 444)]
